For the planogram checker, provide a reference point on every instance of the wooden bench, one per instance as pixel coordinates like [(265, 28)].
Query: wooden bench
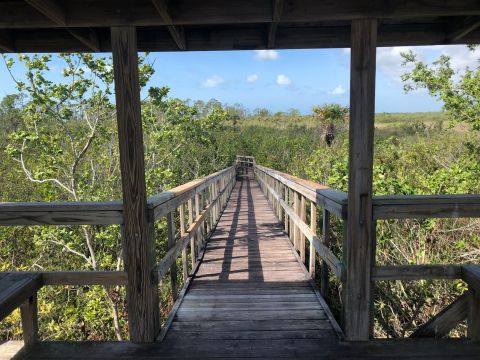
[(20, 289)]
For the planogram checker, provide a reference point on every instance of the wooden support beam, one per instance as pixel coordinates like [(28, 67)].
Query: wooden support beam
[(447, 319), (360, 239), (29, 314), (177, 32), (460, 29), (324, 272), (278, 6), (58, 15), (7, 43), (138, 232)]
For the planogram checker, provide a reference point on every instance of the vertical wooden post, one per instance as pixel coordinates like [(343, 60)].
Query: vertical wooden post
[(29, 314), (285, 198), (358, 303), (324, 270), (302, 237), (199, 230), (192, 239), (313, 227), (474, 317), (170, 244), (182, 234), (138, 243)]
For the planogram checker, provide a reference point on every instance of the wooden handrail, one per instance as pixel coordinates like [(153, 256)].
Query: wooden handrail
[(425, 206), (323, 251), (334, 201), (167, 201), (100, 212), (61, 213)]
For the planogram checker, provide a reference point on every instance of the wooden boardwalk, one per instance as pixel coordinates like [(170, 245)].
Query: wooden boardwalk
[(252, 298), (250, 285)]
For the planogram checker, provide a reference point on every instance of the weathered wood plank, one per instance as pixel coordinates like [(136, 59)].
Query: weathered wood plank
[(84, 278), (446, 320), (359, 247), (29, 314), (138, 244), (416, 272)]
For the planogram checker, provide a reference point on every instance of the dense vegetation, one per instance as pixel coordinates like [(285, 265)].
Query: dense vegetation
[(60, 143)]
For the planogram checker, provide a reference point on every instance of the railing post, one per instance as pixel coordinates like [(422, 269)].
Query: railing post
[(474, 317), (302, 236), (29, 314), (358, 299), (313, 227), (324, 271), (285, 198), (182, 234), (192, 239), (137, 231), (200, 228), (171, 243)]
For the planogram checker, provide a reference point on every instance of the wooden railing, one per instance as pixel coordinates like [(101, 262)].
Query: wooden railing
[(289, 195), (467, 305), (196, 206)]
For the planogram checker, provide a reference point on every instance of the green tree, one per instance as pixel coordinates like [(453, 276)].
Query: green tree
[(459, 91)]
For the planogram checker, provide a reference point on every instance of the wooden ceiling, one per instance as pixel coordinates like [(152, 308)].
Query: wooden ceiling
[(179, 25)]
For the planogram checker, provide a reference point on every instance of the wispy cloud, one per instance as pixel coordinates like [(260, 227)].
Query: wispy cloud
[(213, 81), (252, 78), (266, 55), (283, 80), (339, 90)]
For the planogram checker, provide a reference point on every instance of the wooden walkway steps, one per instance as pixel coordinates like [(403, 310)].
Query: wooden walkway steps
[(251, 298)]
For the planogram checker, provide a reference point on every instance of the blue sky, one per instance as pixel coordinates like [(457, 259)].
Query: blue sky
[(280, 80)]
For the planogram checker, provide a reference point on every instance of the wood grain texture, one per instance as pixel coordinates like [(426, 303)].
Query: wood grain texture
[(446, 320), (29, 314), (138, 244), (359, 247)]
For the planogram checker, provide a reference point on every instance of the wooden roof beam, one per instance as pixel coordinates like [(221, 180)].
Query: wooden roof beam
[(278, 6), (460, 29), (57, 14), (177, 32), (7, 43)]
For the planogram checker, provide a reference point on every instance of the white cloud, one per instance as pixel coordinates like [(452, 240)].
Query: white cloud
[(266, 55), (213, 81), (252, 78), (389, 60), (283, 80), (339, 90)]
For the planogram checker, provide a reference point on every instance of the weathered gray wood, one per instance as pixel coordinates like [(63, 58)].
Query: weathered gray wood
[(446, 320), (15, 288), (324, 252), (61, 213), (425, 206), (324, 272), (29, 314), (172, 245), (183, 232), (416, 272), (313, 227), (52, 10), (358, 302), (471, 275), (189, 12), (474, 316), (333, 200), (138, 244), (84, 278), (463, 27), (177, 32), (7, 41), (278, 6)]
